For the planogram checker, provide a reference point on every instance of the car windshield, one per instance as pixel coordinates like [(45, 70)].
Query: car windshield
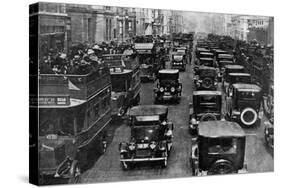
[(207, 73), (208, 103), (222, 146), (240, 79), (147, 133), (145, 59), (178, 57), (146, 120), (251, 96), (181, 50)]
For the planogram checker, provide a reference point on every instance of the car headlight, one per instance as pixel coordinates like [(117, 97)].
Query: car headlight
[(164, 123), (152, 145), (161, 89), (173, 89), (132, 146)]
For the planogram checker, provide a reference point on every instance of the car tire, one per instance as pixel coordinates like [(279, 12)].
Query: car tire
[(244, 119), (221, 166)]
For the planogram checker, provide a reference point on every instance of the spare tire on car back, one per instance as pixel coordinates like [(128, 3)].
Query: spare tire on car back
[(248, 116), (208, 117), (207, 83), (221, 166)]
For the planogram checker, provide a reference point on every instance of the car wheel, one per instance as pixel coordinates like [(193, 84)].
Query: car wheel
[(248, 117), (221, 167)]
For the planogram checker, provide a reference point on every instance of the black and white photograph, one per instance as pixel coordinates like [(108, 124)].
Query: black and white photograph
[(131, 93)]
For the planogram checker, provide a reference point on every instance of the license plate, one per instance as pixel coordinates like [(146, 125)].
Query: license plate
[(166, 93)]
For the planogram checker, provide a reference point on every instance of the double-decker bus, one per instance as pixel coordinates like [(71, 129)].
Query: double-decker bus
[(151, 58), (125, 79), (74, 114)]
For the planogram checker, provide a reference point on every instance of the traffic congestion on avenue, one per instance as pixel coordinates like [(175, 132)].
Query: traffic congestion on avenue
[(180, 104)]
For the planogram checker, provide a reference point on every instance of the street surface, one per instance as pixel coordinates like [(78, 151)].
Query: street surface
[(107, 168)]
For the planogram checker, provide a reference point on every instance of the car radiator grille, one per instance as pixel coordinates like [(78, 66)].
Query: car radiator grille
[(143, 153)]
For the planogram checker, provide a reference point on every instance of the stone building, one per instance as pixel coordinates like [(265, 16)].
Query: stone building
[(53, 27)]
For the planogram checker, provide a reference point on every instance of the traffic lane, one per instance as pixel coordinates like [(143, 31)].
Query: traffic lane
[(257, 156), (107, 168)]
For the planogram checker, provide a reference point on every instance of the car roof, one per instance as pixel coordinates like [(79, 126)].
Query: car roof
[(239, 74), (234, 67), (206, 53), (169, 71), (216, 129), (203, 49), (206, 58), (206, 68), (148, 110), (247, 87), (206, 92), (225, 55)]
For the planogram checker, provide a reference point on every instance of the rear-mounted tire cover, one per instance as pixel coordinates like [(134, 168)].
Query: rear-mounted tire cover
[(209, 81), (248, 123), (211, 117)]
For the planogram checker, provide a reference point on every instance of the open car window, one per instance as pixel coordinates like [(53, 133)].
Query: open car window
[(146, 120)]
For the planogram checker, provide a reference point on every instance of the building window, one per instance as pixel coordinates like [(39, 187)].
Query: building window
[(89, 29), (130, 26), (120, 27)]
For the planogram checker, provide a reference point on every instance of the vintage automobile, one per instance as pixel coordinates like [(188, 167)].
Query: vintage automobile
[(234, 78), (151, 136), (206, 55), (218, 149), (205, 78), (205, 61), (179, 61), (269, 134), (223, 59), (150, 59), (206, 106), (200, 50), (232, 69), (168, 86), (243, 104)]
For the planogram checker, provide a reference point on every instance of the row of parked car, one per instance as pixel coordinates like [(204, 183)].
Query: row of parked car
[(219, 140)]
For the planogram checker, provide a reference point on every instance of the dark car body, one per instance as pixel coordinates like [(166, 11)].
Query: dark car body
[(168, 86), (218, 149), (243, 104), (205, 78), (206, 106), (151, 136), (222, 59), (227, 69), (206, 61), (236, 77), (179, 61)]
